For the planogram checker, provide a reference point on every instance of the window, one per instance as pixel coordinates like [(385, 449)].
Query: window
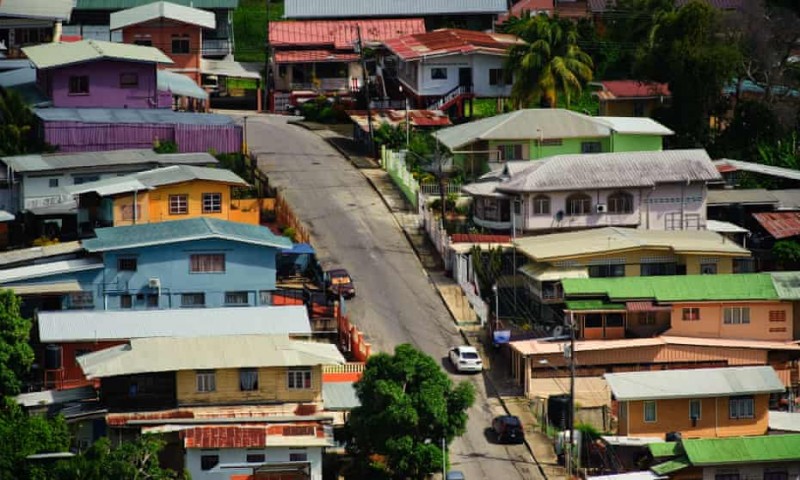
[(206, 380), (744, 265), (299, 378), (299, 431), (497, 77), (85, 179), (236, 298), (777, 315), (126, 264), (265, 297), (193, 300), (144, 42), (510, 152), (180, 44), (708, 268), (600, 271), (438, 73), (775, 474), (208, 461), (79, 85), (298, 457), (152, 301), (650, 411), (658, 269), (128, 80), (615, 320), (248, 379), (736, 315), (125, 301), (178, 204), (53, 182), (727, 475), (81, 300), (212, 202), (127, 212), (690, 314), (591, 147), (551, 142), (741, 407), (541, 205), (647, 318), (579, 204), (207, 263), (695, 409), (256, 458), (593, 320), (620, 202)]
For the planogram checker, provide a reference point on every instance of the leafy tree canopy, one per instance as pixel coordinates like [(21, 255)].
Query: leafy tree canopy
[(16, 355), (408, 404), (25, 435)]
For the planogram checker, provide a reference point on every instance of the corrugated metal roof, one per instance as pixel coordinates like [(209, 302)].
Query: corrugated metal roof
[(769, 170), (157, 177), (49, 162), (724, 227), (784, 421), (612, 170), (664, 449), (122, 4), (168, 354), (450, 41), (625, 89), (742, 450), (636, 126), (340, 396), (315, 56), (70, 286), (389, 8), (97, 325), (18, 76), (779, 224), (49, 55), (395, 118), (149, 234), (585, 243), (35, 253), (131, 115), (167, 10), (548, 273), (52, 397), (44, 9), (788, 199), (693, 383), (675, 288), (670, 466), (179, 85), (229, 68), (787, 284), (31, 272), (597, 305), (748, 196), (340, 34)]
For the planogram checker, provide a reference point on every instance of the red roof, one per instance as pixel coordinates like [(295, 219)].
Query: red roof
[(725, 168), (448, 41), (318, 56), (527, 7), (340, 34), (417, 118), (225, 436), (479, 238), (780, 224), (633, 89)]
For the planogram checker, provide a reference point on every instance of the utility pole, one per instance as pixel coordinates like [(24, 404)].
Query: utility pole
[(267, 64), (571, 457), (444, 459), (440, 175), (365, 87)]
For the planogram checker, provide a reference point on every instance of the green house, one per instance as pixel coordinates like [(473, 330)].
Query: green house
[(535, 133)]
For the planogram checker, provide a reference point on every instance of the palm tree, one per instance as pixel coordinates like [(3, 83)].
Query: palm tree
[(548, 63)]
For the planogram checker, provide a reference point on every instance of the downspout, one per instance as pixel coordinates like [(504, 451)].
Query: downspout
[(648, 205)]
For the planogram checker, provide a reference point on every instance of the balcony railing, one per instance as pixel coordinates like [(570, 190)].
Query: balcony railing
[(216, 47)]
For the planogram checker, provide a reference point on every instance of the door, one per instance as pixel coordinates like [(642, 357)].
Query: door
[(465, 77)]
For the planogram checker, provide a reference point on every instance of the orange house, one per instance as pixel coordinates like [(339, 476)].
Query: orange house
[(174, 29), (697, 403)]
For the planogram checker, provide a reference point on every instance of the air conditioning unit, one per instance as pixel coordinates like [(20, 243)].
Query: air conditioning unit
[(602, 208), (154, 283)]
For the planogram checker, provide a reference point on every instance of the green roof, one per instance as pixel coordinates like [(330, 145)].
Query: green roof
[(202, 228), (747, 450), (593, 305), (664, 449), (671, 466), (676, 288), (123, 4), (787, 284)]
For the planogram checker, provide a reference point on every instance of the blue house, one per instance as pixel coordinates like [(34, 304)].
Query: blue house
[(193, 263)]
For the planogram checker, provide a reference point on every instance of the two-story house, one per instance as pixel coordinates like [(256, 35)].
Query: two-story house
[(247, 404), (169, 193), (174, 29), (663, 190), (536, 133), (697, 403), (93, 73), (193, 263), (30, 22)]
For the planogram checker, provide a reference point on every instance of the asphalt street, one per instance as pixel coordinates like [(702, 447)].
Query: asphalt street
[(395, 303)]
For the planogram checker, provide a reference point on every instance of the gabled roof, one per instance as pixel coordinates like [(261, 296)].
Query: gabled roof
[(450, 41), (693, 383), (50, 55), (742, 450), (164, 233), (609, 240), (779, 224), (131, 115), (157, 177), (38, 9), (31, 272), (49, 162), (169, 354), (166, 10), (340, 34), (389, 8), (123, 4), (101, 325), (636, 126), (675, 288), (787, 284)]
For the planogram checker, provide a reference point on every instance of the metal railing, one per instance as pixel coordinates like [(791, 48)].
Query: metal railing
[(450, 96), (433, 188)]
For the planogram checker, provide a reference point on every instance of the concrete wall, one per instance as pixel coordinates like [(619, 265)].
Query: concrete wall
[(480, 65), (636, 143), (160, 34), (239, 455), (272, 387), (711, 322)]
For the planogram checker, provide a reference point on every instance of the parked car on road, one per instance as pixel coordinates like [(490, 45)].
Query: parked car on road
[(466, 359), (508, 429), (455, 475), (340, 283)]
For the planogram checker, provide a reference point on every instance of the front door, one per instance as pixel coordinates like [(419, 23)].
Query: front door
[(465, 77)]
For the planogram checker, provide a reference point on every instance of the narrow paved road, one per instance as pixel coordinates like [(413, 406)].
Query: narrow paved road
[(395, 303)]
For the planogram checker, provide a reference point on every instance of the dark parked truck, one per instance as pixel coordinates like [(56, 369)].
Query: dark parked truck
[(338, 283)]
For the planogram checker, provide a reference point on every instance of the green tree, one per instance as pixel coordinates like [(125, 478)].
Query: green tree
[(548, 63), (25, 435), (408, 405), (16, 355), (136, 459), (17, 135)]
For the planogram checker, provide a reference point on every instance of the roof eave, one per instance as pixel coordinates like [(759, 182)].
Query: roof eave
[(637, 398)]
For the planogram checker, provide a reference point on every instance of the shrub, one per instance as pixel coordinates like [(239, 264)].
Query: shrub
[(289, 232)]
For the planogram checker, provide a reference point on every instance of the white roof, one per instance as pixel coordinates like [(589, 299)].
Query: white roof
[(151, 179), (34, 253), (694, 383), (781, 172), (51, 397), (631, 441), (784, 421), (227, 68), (45, 9), (167, 354), (91, 325), (49, 55), (636, 125), (48, 269), (724, 227), (549, 273), (156, 10)]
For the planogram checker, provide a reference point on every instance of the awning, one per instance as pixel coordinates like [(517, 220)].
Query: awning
[(46, 288), (549, 273), (227, 68), (299, 249), (724, 227), (646, 307), (180, 85)]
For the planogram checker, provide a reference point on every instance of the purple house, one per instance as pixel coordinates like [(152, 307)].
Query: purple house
[(97, 74)]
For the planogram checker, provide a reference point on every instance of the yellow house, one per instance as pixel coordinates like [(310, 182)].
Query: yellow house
[(176, 192)]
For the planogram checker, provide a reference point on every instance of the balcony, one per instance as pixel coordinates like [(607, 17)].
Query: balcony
[(216, 47)]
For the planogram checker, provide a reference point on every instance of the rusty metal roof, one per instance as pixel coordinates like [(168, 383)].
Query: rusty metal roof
[(623, 89), (340, 34), (417, 118), (779, 224), (449, 41)]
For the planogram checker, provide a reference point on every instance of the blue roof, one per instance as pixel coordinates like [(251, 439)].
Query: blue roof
[(130, 115), (299, 249), (150, 234)]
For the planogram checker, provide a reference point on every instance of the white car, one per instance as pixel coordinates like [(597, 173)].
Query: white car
[(466, 359)]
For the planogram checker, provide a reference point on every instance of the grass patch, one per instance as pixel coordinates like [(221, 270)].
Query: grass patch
[(250, 28), (483, 108), (244, 83)]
